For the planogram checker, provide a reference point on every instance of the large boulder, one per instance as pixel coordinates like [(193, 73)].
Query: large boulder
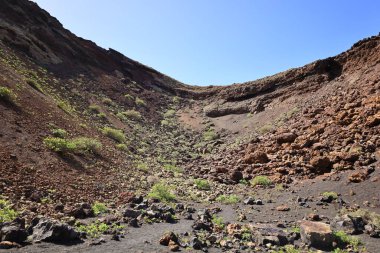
[(349, 224), (13, 231), (256, 157), (47, 230), (286, 138), (321, 164), (316, 234)]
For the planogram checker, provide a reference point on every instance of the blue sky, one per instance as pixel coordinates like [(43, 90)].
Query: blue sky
[(219, 42)]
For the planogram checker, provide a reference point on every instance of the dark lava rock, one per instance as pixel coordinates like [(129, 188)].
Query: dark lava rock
[(130, 213), (82, 211), (53, 231), (13, 231), (249, 201)]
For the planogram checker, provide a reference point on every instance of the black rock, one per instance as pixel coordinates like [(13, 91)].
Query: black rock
[(249, 201), (53, 231), (13, 231), (130, 213)]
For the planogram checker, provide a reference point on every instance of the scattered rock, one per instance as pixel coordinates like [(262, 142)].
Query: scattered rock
[(286, 138), (283, 208), (321, 164), (256, 157), (53, 231), (167, 237), (13, 231), (316, 234)]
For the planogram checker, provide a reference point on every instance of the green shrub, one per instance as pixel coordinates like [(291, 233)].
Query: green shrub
[(77, 145), (130, 114), (107, 101), (97, 228), (7, 95), (129, 97), (122, 146), (345, 239), (60, 133), (261, 180), (332, 195), (142, 166), (162, 192), (266, 129), (217, 221), (173, 168), (210, 135), (65, 106), (84, 144), (169, 113), (140, 102), (35, 85), (101, 115), (202, 184), (114, 134), (94, 108), (6, 212), (60, 144), (99, 208), (369, 216), (228, 199)]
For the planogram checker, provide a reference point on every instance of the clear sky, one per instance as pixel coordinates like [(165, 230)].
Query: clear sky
[(218, 42)]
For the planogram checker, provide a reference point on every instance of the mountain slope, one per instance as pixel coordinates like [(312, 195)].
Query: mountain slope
[(82, 126)]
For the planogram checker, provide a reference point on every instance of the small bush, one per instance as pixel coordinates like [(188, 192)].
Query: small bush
[(129, 97), (122, 147), (7, 95), (35, 85), (162, 192), (114, 134), (210, 135), (202, 184), (6, 212), (130, 114), (169, 113), (97, 228), (140, 102), (345, 239), (60, 133), (173, 168), (107, 101), (94, 108), (142, 166), (228, 199), (266, 129), (261, 180), (101, 115), (84, 144), (78, 145), (332, 195), (218, 221), (99, 208), (65, 106), (59, 144)]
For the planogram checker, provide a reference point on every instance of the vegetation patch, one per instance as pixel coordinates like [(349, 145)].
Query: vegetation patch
[(210, 135), (130, 114), (218, 221), (99, 208), (161, 192), (332, 195), (114, 134), (94, 108), (344, 239), (202, 184), (7, 95), (228, 199), (261, 180), (77, 145), (7, 213), (97, 228), (122, 147), (140, 102), (35, 85), (59, 133), (173, 168)]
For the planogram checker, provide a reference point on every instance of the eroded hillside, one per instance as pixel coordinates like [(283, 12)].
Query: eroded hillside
[(114, 153)]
